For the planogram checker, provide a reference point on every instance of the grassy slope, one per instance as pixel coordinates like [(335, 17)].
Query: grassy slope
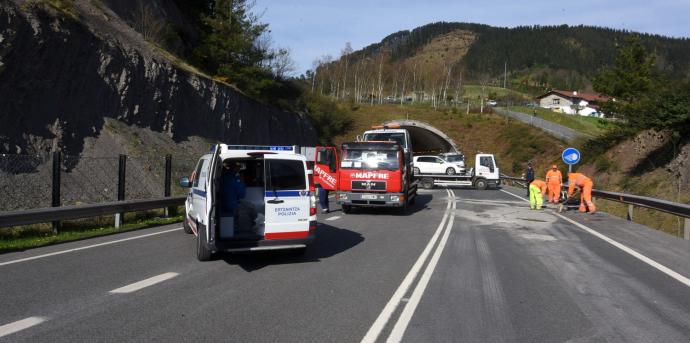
[(512, 142)]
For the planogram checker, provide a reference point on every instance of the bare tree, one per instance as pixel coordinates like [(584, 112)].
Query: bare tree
[(148, 24)]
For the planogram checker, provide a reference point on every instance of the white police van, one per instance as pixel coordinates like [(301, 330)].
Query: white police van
[(277, 210)]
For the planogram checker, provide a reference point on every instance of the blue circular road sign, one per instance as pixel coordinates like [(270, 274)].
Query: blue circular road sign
[(571, 156)]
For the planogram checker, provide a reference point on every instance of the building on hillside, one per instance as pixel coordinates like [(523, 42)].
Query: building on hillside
[(573, 102)]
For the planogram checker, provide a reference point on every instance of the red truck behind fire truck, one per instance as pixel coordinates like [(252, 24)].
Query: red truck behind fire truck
[(367, 174)]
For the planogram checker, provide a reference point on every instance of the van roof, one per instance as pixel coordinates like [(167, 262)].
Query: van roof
[(243, 151)]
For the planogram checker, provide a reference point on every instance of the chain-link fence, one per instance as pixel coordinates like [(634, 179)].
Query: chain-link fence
[(26, 181)]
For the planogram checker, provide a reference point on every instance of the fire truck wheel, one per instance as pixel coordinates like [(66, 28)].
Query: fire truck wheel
[(347, 209)]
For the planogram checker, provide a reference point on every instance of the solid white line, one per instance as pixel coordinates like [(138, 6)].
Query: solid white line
[(86, 247), (145, 283), (662, 268), (380, 322), (407, 313), (668, 271), (333, 218), (517, 196), (20, 325)]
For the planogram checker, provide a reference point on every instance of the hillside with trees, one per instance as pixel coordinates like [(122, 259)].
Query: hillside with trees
[(533, 59)]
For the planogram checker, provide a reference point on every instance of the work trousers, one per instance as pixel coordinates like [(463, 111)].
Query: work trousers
[(554, 192), (586, 203), (536, 198)]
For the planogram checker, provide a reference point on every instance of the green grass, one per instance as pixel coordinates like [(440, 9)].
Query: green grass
[(474, 91), (587, 125), (32, 236)]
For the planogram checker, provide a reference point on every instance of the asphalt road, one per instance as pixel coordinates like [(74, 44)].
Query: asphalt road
[(464, 265)]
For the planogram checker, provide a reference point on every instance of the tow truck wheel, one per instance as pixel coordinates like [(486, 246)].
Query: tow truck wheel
[(416, 171), (480, 184), (203, 253), (450, 171), (185, 224), (347, 209), (427, 183)]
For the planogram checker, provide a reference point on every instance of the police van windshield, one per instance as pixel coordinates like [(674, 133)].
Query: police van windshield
[(370, 159), (398, 137), (285, 175)]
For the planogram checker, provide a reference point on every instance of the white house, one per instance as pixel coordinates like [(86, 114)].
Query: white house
[(573, 102)]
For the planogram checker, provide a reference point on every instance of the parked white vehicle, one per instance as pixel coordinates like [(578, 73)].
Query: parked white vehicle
[(435, 165), (455, 158), (248, 198)]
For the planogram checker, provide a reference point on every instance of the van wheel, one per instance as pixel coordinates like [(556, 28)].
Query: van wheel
[(416, 171), (480, 184), (185, 224), (203, 253), (347, 209), (450, 171)]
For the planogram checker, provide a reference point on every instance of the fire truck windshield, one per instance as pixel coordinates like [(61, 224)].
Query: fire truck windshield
[(370, 159)]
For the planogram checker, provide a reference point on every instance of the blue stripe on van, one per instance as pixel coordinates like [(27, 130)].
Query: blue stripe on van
[(199, 192), (286, 194)]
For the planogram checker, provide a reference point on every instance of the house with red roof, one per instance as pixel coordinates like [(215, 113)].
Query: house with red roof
[(573, 102)]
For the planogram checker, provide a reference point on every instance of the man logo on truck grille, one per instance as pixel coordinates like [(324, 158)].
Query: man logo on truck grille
[(369, 185)]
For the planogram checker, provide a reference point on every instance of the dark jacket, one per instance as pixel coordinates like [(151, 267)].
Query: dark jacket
[(529, 175)]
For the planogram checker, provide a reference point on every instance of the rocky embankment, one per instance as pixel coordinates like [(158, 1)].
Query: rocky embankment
[(65, 69)]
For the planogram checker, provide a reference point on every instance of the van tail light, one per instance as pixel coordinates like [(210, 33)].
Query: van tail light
[(312, 205)]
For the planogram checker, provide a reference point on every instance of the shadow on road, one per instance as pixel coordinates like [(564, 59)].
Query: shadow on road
[(329, 241), (420, 204)]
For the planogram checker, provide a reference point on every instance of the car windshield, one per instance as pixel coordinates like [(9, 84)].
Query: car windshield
[(370, 159), (386, 136), (454, 158)]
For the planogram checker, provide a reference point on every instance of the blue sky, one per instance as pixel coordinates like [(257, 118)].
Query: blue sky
[(312, 28)]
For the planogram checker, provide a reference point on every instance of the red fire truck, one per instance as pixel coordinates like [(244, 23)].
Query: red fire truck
[(367, 174)]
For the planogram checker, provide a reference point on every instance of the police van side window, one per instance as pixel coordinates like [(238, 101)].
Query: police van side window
[(285, 175), (199, 172)]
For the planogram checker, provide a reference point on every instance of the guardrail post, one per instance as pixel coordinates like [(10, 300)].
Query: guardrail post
[(57, 161), (630, 212), (121, 171), (686, 232), (166, 185)]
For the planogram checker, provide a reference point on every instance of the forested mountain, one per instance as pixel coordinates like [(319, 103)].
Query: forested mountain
[(434, 58)]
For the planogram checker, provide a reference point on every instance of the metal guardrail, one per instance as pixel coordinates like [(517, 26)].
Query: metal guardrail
[(51, 214), (674, 208)]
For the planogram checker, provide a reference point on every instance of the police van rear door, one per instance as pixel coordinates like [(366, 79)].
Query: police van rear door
[(286, 197)]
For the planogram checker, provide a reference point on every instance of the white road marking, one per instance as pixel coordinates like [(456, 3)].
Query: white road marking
[(333, 218), (407, 313), (20, 325), (660, 267), (86, 247), (380, 322), (144, 283)]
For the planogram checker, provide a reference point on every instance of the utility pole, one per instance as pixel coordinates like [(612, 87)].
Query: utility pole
[(505, 73)]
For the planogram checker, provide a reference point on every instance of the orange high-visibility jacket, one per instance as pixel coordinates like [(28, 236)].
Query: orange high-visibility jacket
[(577, 180), (554, 177), (540, 184)]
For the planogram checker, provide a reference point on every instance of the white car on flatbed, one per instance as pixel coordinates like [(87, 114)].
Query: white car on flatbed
[(276, 208), (430, 164)]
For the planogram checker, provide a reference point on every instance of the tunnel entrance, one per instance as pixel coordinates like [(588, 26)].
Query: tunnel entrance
[(426, 139)]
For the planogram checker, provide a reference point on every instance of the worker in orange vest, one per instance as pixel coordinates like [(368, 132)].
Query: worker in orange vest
[(554, 179), (537, 189), (585, 185)]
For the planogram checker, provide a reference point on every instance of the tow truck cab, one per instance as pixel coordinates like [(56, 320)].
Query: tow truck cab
[(277, 209), (393, 133)]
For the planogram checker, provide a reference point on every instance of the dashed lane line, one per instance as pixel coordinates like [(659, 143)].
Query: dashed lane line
[(20, 325), (144, 283), (385, 315), (86, 247), (333, 218), (660, 267)]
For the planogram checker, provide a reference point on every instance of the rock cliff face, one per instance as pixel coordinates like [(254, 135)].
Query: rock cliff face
[(64, 70)]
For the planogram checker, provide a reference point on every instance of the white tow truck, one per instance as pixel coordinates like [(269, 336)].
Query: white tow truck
[(485, 174)]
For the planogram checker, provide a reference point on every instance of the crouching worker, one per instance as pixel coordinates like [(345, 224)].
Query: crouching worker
[(537, 189), (585, 185)]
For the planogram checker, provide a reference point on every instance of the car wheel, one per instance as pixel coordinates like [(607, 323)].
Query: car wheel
[(416, 171), (203, 253), (450, 171), (185, 225)]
